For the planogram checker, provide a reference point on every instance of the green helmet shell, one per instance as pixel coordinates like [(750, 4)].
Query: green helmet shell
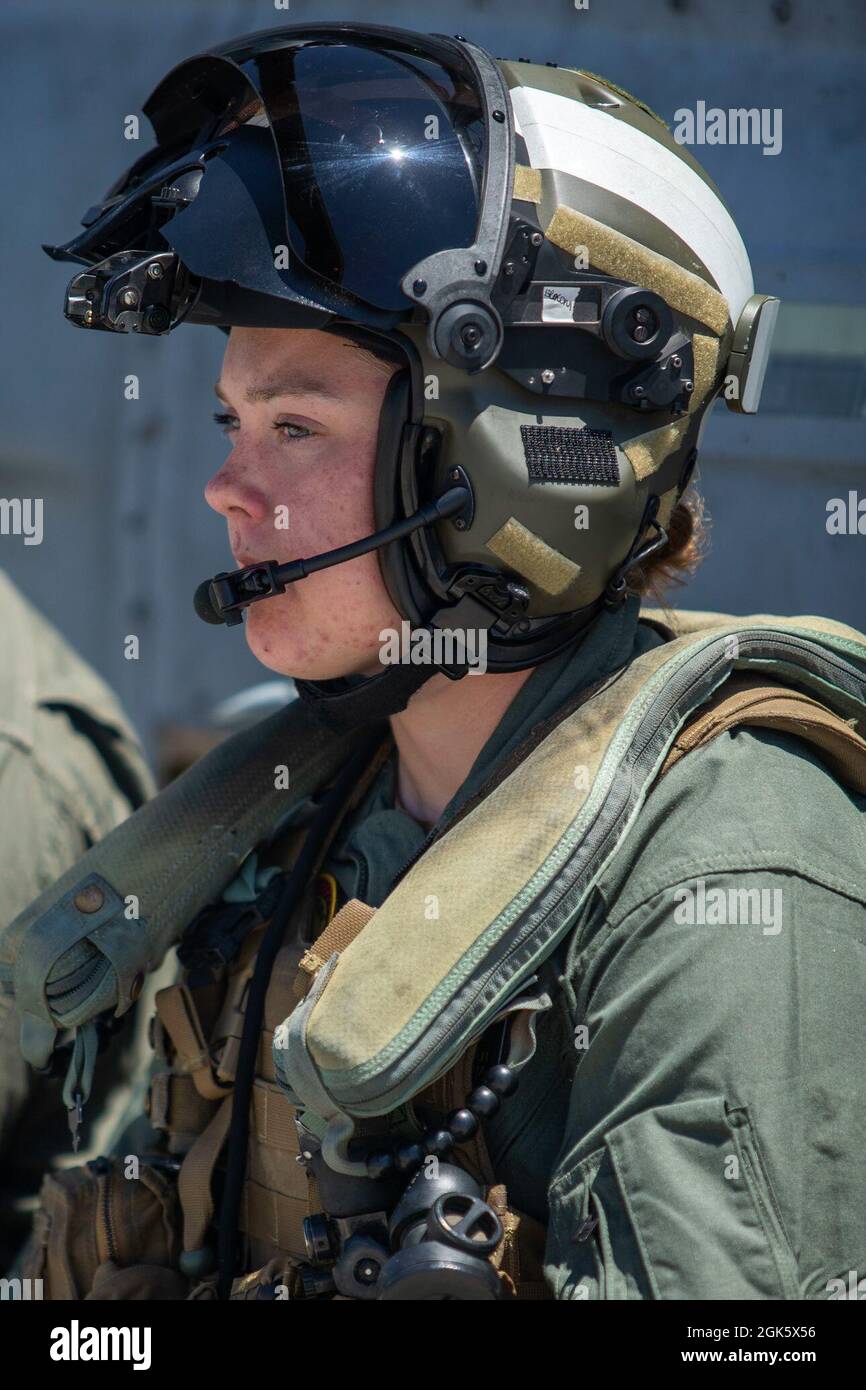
[(561, 482)]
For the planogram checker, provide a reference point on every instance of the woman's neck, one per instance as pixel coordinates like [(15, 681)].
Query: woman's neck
[(440, 733)]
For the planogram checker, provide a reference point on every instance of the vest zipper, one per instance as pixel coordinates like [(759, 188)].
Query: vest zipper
[(105, 1208), (109, 1233), (363, 878), (92, 968), (413, 859)]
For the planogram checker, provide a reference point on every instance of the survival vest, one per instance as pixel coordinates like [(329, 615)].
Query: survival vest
[(378, 1014)]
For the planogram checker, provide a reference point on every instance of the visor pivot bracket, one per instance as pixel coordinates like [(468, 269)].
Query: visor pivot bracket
[(468, 335)]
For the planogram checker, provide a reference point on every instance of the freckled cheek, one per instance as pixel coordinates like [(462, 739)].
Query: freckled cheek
[(327, 509), (347, 604), (345, 593), (341, 609)]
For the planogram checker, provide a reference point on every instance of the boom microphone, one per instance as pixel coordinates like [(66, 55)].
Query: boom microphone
[(223, 598)]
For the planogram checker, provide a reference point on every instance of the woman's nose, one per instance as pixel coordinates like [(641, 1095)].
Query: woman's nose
[(232, 488)]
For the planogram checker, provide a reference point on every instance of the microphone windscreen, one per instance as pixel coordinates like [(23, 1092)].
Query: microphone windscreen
[(204, 605)]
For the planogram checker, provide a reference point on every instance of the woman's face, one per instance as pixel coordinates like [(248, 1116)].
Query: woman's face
[(301, 411)]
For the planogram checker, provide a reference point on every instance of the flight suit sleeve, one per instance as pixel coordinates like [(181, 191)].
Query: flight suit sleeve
[(718, 1117)]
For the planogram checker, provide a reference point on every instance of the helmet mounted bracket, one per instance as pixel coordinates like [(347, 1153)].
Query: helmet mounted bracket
[(455, 287)]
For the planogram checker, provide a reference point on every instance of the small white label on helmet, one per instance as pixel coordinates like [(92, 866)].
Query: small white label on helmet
[(557, 303)]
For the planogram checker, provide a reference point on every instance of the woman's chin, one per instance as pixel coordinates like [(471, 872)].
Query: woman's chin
[(268, 645), (271, 647)]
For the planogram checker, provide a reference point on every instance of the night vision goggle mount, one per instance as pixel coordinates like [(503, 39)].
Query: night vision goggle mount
[(131, 292), (134, 290)]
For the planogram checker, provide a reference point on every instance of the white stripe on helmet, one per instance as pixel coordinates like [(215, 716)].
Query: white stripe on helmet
[(562, 133)]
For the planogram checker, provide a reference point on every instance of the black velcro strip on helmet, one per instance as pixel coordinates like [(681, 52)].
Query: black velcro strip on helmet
[(560, 455)]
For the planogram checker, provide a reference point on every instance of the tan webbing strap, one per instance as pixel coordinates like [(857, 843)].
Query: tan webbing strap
[(174, 1106), (342, 929), (506, 1256), (519, 1257), (194, 1178), (749, 700), (178, 1015), (227, 1031)]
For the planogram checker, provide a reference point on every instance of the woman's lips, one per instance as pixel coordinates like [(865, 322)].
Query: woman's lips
[(242, 556)]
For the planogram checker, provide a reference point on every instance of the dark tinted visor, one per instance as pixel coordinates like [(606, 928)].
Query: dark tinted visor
[(378, 153)]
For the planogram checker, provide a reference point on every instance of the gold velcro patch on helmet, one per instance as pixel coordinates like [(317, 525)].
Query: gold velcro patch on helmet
[(530, 556), (614, 253), (647, 452), (527, 183), (706, 351)]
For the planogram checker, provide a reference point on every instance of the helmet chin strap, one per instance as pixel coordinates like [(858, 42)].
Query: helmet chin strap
[(352, 701)]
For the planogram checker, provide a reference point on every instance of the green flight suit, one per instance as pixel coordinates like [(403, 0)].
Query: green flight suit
[(693, 1121)]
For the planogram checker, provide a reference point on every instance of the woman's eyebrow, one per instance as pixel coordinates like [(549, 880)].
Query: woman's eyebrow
[(298, 385)]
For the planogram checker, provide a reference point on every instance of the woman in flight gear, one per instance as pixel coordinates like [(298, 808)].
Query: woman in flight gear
[(560, 1040)]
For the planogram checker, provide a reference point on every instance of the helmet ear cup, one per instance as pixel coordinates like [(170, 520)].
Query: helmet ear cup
[(398, 448), (389, 446)]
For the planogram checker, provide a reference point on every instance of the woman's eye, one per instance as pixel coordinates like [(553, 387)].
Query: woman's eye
[(287, 426), (229, 424)]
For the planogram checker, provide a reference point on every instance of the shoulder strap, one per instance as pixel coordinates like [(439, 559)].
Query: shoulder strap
[(750, 700)]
